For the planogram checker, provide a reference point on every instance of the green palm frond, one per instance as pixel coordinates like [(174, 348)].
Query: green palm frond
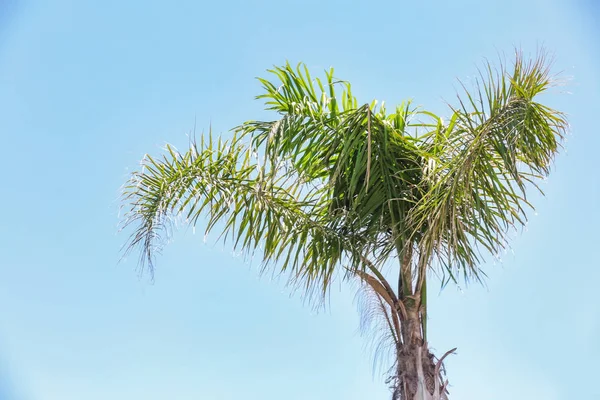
[(499, 143), (254, 208)]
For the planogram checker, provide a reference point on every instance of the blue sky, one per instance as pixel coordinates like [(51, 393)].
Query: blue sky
[(86, 88)]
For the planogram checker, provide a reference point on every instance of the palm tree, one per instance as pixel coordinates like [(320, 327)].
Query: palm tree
[(332, 188)]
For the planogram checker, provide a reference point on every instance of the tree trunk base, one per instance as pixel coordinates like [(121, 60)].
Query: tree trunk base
[(418, 375)]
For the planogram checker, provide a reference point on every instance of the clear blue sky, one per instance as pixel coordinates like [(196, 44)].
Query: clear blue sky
[(86, 88)]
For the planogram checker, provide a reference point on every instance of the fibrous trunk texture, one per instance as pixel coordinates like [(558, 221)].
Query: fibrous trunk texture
[(418, 375)]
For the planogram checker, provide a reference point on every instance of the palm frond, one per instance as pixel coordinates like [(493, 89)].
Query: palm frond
[(255, 209), (498, 144)]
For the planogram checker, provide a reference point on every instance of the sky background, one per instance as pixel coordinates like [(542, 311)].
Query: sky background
[(86, 88)]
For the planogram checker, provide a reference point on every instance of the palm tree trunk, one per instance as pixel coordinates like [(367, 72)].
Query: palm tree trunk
[(417, 373), (416, 370), (415, 367)]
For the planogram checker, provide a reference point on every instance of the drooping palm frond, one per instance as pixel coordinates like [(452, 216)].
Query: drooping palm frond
[(377, 323), (255, 209)]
